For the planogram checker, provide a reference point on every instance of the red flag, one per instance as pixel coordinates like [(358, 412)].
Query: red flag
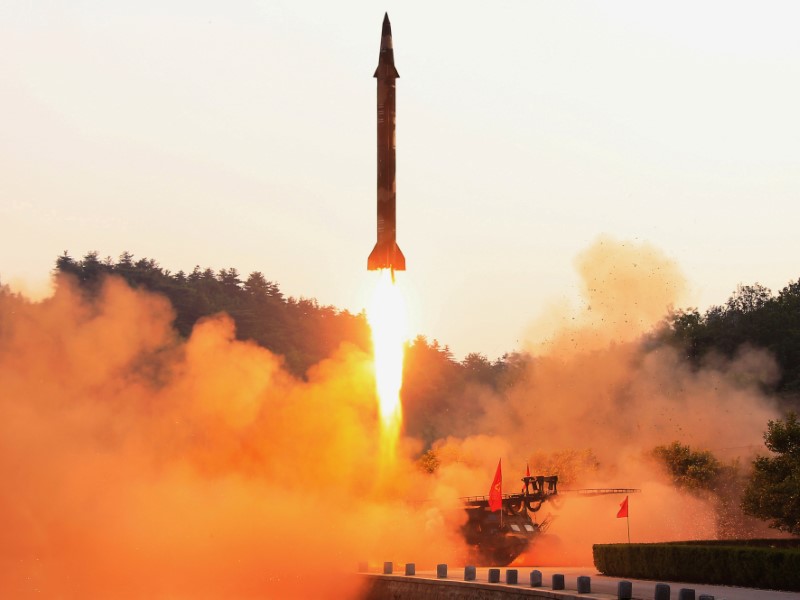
[(496, 492), (623, 509)]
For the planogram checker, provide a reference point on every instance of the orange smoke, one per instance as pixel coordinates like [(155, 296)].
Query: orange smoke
[(135, 464), (598, 383), (598, 395)]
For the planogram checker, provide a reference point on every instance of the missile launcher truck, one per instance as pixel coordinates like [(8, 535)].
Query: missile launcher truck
[(497, 538)]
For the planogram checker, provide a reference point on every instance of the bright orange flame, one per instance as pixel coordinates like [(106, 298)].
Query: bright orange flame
[(387, 319)]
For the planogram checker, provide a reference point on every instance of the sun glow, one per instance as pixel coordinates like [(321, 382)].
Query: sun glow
[(387, 319)]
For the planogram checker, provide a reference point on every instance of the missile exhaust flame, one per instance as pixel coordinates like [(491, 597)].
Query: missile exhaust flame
[(387, 319)]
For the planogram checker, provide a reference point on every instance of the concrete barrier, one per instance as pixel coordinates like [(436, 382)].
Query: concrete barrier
[(584, 585), (512, 576), (411, 569), (387, 568), (441, 571), (428, 587), (557, 582), (662, 591), (536, 578), (469, 573), (494, 575)]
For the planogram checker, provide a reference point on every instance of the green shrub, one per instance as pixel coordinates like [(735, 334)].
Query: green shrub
[(721, 563)]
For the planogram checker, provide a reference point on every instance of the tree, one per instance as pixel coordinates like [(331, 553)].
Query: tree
[(748, 298), (302, 330), (511, 369), (92, 268), (694, 470), (773, 492), (66, 264), (432, 391), (701, 474), (478, 369), (752, 317)]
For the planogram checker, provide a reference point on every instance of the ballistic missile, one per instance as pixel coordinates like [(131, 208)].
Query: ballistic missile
[(386, 254)]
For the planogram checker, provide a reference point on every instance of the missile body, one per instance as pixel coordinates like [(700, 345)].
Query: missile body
[(386, 254)]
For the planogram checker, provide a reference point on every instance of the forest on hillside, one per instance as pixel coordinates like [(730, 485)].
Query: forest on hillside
[(753, 316), (304, 331)]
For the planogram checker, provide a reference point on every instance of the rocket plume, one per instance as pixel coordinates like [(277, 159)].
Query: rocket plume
[(387, 320)]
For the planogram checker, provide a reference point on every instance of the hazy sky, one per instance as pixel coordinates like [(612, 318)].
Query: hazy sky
[(242, 134)]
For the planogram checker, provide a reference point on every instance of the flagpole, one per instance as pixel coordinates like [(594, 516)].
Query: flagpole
[(628, 519), (624, 511), (501, 498), (501, 495)]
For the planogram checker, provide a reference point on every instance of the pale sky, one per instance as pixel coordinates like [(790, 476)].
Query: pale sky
[(242, 134)]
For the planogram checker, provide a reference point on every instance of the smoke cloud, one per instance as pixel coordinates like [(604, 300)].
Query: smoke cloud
[(138, 464), (601, 393)]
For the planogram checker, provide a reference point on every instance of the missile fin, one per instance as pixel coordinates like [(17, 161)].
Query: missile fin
[(386, 256)]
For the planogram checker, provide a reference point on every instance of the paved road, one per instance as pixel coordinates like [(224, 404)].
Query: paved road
[(608, 585)]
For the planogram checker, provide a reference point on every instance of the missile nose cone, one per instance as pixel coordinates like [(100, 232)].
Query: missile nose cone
[(386, 34), (386, 68), (387, 27)]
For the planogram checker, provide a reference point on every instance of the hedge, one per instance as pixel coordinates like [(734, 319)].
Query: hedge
[(726, 563), (760, 543)]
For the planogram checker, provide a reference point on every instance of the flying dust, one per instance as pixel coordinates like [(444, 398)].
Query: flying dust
[(599, 395), (138, 464)]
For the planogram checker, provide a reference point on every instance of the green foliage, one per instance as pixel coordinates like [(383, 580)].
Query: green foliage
[(783, 436), (690, 469), (701, 474), (732, 563), (752, 316), (300, 330), (443, 397), (429, 376), (478, 368), (773, 492)]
